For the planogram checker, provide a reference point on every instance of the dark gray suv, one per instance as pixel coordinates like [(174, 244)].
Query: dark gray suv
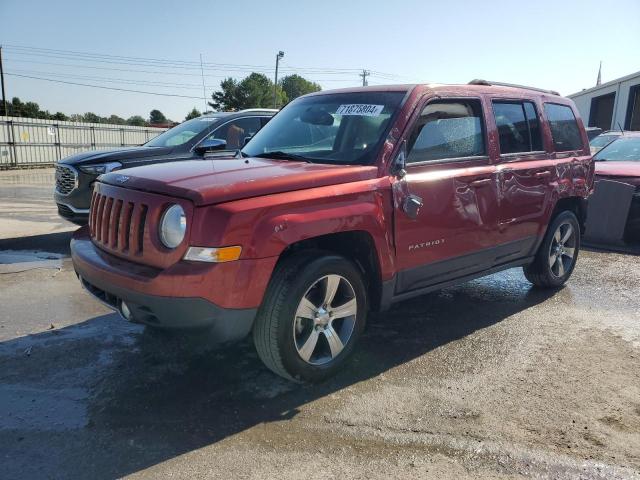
[(190, 140)]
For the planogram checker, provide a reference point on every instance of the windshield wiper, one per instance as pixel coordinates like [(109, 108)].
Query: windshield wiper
[(280, 155)]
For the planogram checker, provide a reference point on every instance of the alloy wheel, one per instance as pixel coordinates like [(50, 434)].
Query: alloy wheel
[(325, 319), (562, 249)]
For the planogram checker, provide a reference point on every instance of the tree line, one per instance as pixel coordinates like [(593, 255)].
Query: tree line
[(254, 91), (257, 91), (18, 108)]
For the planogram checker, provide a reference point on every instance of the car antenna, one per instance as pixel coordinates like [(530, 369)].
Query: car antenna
[(621, 130)]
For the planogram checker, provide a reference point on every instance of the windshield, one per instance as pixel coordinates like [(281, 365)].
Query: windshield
[(624, 149), (342, 128), (181, 134), (602, 140)]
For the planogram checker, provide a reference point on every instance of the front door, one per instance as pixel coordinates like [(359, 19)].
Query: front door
[(448, 173)]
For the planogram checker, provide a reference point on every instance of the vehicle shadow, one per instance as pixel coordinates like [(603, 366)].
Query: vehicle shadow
[(50, 242), (141, 397)]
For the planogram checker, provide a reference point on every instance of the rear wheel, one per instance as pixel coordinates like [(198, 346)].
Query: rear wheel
[(557, 256), (312, 315)]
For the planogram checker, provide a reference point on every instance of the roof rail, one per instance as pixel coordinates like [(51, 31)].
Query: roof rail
[(258, 110), (502, 84)]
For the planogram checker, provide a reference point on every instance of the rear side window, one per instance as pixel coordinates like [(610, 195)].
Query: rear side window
[(564, 127), (518, 127), (447, 129)]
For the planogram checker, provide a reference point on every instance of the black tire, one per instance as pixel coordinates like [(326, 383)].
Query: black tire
[(278, 330), (542, 273)]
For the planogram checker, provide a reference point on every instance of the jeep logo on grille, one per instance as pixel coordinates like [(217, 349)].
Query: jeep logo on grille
[(122, 179)]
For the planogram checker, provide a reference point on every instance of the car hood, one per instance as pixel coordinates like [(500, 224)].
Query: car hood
[(101, 156), (215, 181), (628, 172)]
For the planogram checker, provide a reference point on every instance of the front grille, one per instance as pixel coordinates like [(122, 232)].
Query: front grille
[(118, 225), (124, 222), (66, 179)]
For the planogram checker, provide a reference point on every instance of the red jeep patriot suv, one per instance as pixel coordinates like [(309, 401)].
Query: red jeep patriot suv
[(346, 201)]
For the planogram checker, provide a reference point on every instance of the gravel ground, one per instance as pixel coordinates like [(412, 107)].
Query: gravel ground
[(490, 379)]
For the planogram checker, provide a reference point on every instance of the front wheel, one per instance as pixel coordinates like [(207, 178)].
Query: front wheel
[(312, 315), (558, 253)]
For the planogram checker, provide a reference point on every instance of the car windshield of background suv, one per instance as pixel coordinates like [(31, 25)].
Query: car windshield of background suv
[(343, 128), (602, 140), (181, 134), (624, 149)]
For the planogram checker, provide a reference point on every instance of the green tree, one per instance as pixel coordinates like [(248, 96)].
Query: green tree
[(91, 117), (195, 113), (295, 86), (136, 121), (227, 97), (254, 91), (30, 109), (157, 117), (116, 120), (60, 116), (15, 107)]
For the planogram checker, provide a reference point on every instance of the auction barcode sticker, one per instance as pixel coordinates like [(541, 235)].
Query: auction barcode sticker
[(362, 109)]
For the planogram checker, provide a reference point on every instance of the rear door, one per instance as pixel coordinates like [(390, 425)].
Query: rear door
[(572, 148), (448, 172), (525, 175)]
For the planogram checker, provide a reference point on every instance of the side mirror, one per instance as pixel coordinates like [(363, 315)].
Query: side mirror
[(246, 140), (400, 162), (210, 145)]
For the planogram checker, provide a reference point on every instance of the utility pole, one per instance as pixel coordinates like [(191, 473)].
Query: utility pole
[(364, 75), (4, 97), (275, 82), (204, 93)]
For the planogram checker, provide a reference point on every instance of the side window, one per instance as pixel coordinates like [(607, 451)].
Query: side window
[(534, 126), (236, 131), (264, 120), (518, 127), (564, 127), (447, 129)]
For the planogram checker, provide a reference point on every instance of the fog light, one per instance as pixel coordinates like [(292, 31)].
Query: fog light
[(124, 309)]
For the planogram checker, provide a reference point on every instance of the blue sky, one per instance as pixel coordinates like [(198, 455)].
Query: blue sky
[(549, 44)]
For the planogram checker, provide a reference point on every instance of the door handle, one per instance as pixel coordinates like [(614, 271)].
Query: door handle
[(481, 182), (543, 174), (412, 205)]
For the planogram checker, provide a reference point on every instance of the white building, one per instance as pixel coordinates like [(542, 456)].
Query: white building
[(611, 105)]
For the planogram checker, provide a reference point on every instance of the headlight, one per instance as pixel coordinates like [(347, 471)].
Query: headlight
[(173, 226), (100, 168)]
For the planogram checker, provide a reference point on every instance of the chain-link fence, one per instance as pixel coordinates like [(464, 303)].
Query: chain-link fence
[(31, 142)]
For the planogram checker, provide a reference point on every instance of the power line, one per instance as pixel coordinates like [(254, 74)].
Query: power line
[(166, 63), (103, 87), (155, 83)]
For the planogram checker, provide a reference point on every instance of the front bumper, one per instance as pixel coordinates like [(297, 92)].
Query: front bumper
[(74, 205), (79, 216), (113, 281)]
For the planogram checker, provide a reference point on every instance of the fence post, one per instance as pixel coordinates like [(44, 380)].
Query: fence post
[(121, 137), (93, 136), (58, 142), (13, 143)]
